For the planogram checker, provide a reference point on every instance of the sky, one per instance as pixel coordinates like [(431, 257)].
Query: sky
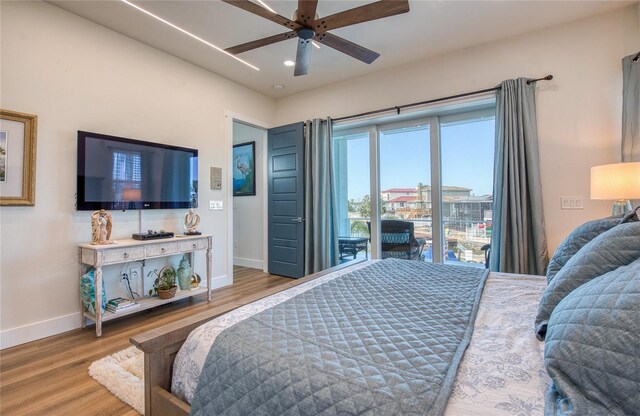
[(467, 159)]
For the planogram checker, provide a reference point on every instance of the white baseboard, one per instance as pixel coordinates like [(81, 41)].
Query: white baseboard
[(220, 281), (31, 332), (253, 264)]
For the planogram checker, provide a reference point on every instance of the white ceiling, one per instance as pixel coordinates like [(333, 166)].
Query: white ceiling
[(430, 28)]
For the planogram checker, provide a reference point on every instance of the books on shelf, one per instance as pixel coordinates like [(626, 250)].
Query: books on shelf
[(120, 304), (125, 308), (116, 302)]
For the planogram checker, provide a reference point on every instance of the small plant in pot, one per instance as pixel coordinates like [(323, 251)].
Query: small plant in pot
[(165, 284)]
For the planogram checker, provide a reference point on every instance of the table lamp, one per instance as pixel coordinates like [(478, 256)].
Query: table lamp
[(617, 181), (131, 195)]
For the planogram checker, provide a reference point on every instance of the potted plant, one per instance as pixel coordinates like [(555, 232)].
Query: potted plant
[(165, 284)]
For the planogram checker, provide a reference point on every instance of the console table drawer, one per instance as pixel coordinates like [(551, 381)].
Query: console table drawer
[(193, 245), (120, 255), (161, 249)]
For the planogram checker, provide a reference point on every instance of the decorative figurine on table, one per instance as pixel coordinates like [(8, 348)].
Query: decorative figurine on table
[(191, 222), (195, 280), (100, 227)]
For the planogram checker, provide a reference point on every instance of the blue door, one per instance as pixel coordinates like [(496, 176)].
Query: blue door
[(286, 200)]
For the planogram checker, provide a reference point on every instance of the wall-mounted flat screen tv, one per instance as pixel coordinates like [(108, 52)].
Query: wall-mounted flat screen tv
[(119, 173)]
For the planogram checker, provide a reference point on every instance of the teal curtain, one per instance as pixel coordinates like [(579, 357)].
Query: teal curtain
[(518, 243), (321, 225), (631, 108)]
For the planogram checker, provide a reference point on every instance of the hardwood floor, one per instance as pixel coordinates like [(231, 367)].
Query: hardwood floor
[(49, 376)]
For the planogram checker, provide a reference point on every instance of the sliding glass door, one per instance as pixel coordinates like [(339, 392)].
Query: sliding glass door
[(467, 147), (422, 187), (405, 190), (353, 191)]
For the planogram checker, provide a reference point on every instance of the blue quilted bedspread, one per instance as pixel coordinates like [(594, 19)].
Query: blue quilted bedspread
[(383, 340)]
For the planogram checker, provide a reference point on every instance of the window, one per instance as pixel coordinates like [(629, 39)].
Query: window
[(466, 152), (351, 162), (435, 171), (353, 190)]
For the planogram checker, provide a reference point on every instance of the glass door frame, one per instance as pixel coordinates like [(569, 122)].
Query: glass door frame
[(434, 136), (434, 122)]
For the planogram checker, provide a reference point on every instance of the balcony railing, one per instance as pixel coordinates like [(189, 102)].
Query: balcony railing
[(463, 238)]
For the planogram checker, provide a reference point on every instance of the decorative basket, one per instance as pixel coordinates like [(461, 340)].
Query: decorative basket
[(168, 293)]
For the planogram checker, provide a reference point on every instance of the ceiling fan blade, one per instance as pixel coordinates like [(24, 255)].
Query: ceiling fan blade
[(262, 12), (234, 50), (368, 12), (307, 12), (352, 49), (303, 57)]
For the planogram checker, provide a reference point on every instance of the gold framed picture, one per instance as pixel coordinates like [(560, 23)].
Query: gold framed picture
[(18, 133)]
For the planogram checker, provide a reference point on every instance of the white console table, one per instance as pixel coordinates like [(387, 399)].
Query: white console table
[(129, 250)]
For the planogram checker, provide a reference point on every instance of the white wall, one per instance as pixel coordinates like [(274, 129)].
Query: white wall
[(248, 211), (579, 112), (76, 75)]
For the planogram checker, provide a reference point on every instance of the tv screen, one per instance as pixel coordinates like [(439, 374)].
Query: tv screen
[(120, 173)]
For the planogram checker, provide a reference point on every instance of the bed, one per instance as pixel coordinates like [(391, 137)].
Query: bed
[(366, 328), (501, 371)]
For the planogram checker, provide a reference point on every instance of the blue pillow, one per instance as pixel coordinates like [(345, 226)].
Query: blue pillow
[(581, 236), (617, 247), (592, 351)]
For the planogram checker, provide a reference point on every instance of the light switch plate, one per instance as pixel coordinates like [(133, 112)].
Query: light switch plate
[(571, 202), (215, 205)]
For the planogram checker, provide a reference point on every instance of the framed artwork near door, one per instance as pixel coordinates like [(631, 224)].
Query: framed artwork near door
[(243, 167)]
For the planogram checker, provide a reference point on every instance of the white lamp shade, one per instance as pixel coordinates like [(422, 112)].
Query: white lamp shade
[(616, 181), (131, 194)]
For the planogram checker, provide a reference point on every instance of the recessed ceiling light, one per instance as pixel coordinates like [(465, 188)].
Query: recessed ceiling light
[(289, 63), (278, 87), (189, 34)]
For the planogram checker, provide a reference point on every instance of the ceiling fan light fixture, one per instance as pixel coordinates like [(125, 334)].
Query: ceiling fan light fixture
[(308, 28), (178, 28), (289, 63), (305, 33)]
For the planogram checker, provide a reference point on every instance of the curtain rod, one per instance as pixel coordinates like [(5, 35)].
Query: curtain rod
[(451, 97)]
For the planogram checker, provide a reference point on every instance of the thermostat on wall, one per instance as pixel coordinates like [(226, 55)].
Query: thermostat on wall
[(216, 178)]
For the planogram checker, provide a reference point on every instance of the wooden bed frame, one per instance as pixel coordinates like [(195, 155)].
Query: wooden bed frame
[(161, 345)]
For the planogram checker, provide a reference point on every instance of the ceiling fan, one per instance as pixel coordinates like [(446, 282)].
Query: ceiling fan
[(307, 27)]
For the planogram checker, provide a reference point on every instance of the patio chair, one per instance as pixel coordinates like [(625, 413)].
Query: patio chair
[(398, 240)]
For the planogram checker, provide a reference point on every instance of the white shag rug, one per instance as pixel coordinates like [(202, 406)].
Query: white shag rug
[(122, 374)]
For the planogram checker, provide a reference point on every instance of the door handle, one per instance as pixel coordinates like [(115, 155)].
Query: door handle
[(298, 220)]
